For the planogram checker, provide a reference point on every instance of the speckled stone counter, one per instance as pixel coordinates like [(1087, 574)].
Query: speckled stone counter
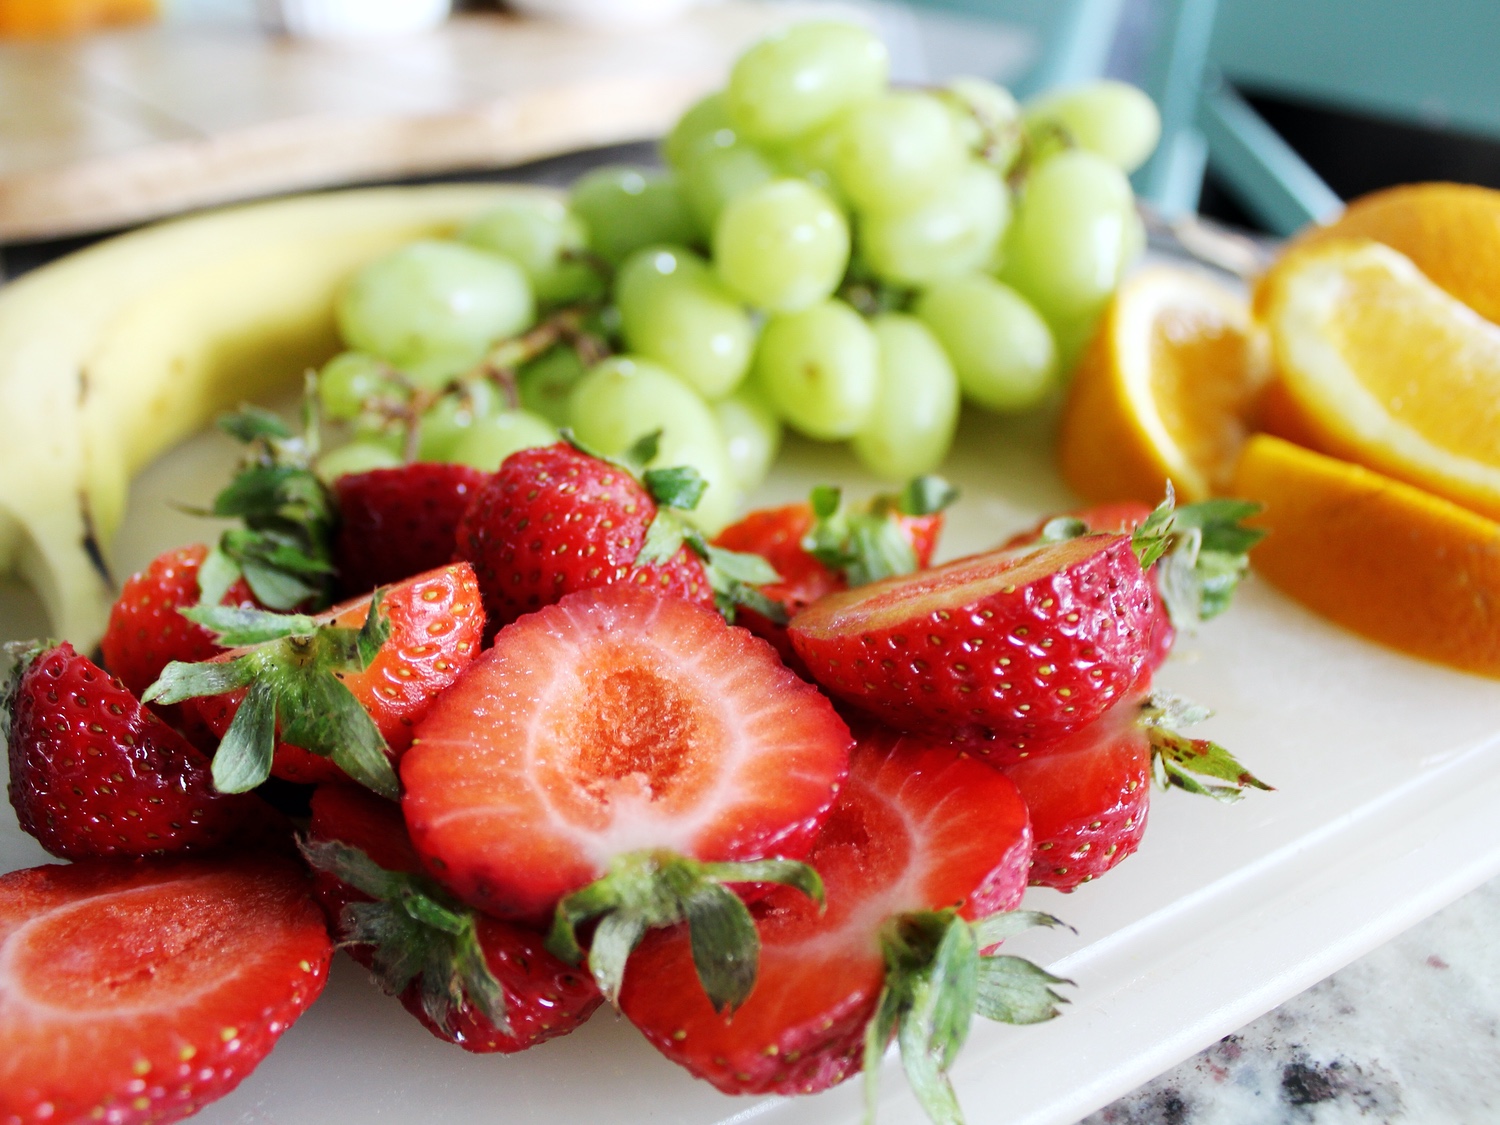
[(1410, 1033)]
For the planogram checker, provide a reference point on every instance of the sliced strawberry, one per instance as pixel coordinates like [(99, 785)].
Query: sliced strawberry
[(917, 828), (146, 633), (93, 773), (554, 520), (1204, 556), (395, 523), (625, 736), (542, 998), (136, 993), (393, 663), (819, 547), (1030, 641)]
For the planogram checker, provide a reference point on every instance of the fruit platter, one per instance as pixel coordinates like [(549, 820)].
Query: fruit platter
[(593, 656)]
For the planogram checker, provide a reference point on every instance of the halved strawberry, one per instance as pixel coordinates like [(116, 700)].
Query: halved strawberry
[(523, 995), (93, 773), (146, 633), (1089, 792), (920, 833), (1206, 554), (346, 688), (136, 992), (624, 735), (1029, 641), (821, 546), (395, 523)]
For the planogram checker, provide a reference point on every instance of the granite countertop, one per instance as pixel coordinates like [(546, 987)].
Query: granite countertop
[(1410, 1033)]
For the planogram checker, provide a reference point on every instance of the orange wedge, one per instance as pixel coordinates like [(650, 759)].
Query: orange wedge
[(1451, 232), (1379, 366), (1167, 389), (1391, 562)]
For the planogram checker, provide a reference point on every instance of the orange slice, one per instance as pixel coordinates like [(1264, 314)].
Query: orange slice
[(1451, 232), (1391, 562), (1379, 366), (1167, 389)]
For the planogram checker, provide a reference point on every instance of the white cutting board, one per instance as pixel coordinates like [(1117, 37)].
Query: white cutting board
[(1387, 773)]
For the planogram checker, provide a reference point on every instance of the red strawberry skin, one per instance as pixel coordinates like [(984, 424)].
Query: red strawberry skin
[(918, 826), (140, 992), (1121, 516), (544, 998), (776, 535), (612, 722), (1033, 641), (553, 521), (395, 523), (146, 632), (437, 627), (94, 773), (1088, 795)]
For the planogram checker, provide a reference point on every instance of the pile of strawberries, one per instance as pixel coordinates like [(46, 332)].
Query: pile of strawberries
[(547, 772)]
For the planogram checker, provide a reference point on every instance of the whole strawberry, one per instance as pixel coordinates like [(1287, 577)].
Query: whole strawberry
[(146, 632), (140, 992), (554, 520), (484, 984), (394, 523), (94, 773)]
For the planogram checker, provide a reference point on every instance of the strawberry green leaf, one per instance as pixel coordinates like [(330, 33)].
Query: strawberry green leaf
[(322, 716), (1176, 758), (680, 486), (648, 890), (375, 631), (995, 928), (726, 946), (642, 452), (419, 933), (1061, 529), (249, 423), (1206, 559), (1220, 522), (785, 872), (217, 573), (1013, 990), (825, 500), (926, 1074), (179, 681), (742, 566), (234, 626), (664, 538), (1152, 538), (243, 759), (275, 588), (924, 495), (878, 1034)]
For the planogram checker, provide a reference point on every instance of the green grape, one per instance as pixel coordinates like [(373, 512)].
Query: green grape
[(623, 399), (547, 382), (538, 234), (436, 370), (351, 379), (704, 127), (1074, 234), (821, 369), (674, 310), (955, 231), (711, 178), (782, 246), (989, 120), (493, 438), (752, 435), (802, 77), (626, 208), (909, 431), (356, 457), (1001, 348), (895, 151), (1112, 119), (434, 298), (813, 157), (454, 415)]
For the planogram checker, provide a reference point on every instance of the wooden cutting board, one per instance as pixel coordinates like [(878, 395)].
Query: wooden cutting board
[(108, 130)]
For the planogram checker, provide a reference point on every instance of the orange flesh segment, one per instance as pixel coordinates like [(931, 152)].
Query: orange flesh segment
[(1201, 394), (963, 582)]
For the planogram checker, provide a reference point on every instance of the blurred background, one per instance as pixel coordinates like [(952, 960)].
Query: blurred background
[(1273, 110)]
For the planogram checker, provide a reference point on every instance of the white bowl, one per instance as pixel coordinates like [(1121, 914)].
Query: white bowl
[(605, 13)]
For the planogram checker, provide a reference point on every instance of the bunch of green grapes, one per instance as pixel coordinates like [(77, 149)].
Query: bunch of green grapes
[(822, 252)]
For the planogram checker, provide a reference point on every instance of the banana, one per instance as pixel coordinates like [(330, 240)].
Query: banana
[(114, 354)]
